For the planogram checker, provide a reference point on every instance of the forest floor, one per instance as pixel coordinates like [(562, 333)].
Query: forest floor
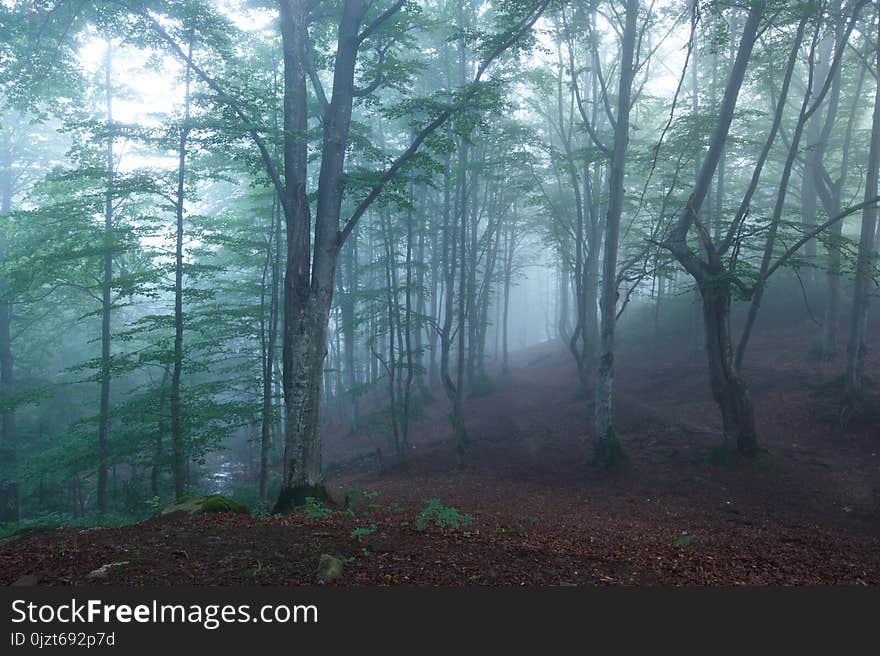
[(682, 510)]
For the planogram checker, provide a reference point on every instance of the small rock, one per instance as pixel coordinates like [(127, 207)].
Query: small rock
[(26, 581), (103, 572), (329, 568)]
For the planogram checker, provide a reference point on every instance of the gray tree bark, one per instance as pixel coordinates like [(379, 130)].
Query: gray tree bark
[(605, 441), (854, 376)]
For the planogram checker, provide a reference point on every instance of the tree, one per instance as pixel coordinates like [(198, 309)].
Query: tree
[(855, 351), (310, 270), (606, 445)]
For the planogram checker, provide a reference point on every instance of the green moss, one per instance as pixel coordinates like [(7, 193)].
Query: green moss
[(329, 568), (219, 503), (609, 452), (209, 504)]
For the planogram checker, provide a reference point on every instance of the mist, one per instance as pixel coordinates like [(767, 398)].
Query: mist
[(436, 272)]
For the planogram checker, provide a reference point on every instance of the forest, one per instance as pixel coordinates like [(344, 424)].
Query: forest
[(439, 292)]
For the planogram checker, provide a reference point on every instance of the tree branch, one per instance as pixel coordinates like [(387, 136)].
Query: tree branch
[(440, 119), (222, 96)]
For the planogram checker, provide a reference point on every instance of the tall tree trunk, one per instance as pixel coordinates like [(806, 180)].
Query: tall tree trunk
[(436, 290), (832, 202), (161, 428), (509, 252), (458, 401), (9, 502), (391, 362), (106, 302), (178, 448), (728, 388), (419, 355), (450, 248), (305, 313), (347, 305), (407, 328), (856, 347), (309, 285), (8, 488), (269, 337), (605, 441)]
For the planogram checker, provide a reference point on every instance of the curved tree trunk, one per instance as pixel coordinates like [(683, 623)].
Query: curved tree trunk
[(728, 388)]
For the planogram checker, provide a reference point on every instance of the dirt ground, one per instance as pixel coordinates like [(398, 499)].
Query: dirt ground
[(682, 511)]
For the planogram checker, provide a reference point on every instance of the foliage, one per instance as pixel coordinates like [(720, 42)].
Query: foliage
[(315, 509), (362, 531), (440, 516)]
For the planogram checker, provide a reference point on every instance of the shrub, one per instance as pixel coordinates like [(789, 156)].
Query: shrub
[(314, 509), (441, 516)]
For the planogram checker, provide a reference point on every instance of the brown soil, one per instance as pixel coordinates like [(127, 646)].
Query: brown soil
[(682, 510)]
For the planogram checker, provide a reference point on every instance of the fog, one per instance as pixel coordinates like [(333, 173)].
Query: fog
[(276, 251)]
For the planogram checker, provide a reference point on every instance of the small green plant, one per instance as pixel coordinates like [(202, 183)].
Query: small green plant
[(356, 500), (520, 530), (314, 509), (362, 531), (683, 541), (441, 516), (261, 509), (153, 503)]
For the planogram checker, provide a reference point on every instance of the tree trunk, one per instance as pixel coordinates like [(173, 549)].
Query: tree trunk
[(106, 303), (347, 305), (9, 509), (606, 444), (178, 447), (832, 202), (862, 287), (9, 502), (509, 252), (306, 349), (161, 428), (713, 284), (728, 388), (269, 337)]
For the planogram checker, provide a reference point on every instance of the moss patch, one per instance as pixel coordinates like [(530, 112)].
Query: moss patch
[(209, 504), (609, 452)]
